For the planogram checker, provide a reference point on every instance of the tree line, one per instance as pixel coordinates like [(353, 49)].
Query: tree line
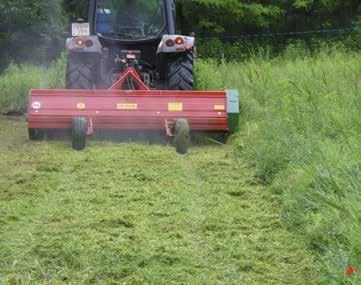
[(36, 29)]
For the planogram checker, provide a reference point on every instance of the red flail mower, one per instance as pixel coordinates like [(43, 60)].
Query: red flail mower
[(132, 77), (177, 113)]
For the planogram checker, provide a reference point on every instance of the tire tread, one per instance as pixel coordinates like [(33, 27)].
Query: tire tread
[(180, 72), (181, 136), (79, 75), (79, 125)]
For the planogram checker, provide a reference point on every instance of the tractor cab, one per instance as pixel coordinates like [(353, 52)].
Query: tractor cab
[(130, 20)]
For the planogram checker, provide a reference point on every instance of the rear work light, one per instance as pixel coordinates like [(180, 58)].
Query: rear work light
[(169, 43), (79, 41), (89, 43), (179, 41)]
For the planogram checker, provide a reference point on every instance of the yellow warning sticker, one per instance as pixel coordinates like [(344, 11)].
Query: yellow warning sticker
[(175, 107), (122, 106), (219, 107), (80, 106)]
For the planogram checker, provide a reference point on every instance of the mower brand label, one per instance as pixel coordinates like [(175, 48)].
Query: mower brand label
[(219, 107), (175, 107), (122, 106), (80, 106)]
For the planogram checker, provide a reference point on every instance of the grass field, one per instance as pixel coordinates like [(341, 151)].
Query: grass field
[(138, 214), (279, 205)]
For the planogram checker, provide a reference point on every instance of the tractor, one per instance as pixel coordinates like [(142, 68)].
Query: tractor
[(137, 33), (129, 71)]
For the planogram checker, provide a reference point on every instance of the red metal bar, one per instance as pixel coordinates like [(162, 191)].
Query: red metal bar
[(127, 127), (129, 73), (89, 130), (168, 128), (139, 93)]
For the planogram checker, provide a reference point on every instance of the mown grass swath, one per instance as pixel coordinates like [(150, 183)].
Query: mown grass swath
[(138, 214)]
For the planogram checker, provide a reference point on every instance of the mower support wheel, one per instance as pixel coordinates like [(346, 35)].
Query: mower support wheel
[(36, 134), (79, 133), (181, 136)]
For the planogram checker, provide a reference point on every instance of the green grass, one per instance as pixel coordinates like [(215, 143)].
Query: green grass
[(300, 139), (138, 214), (301, 130)]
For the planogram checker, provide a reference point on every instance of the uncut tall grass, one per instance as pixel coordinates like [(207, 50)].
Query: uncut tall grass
[(301, 130), (17, 80)]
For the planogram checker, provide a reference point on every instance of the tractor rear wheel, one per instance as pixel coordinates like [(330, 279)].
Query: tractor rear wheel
[(181, 136), (79, 73), (180, 72), (79, 128)]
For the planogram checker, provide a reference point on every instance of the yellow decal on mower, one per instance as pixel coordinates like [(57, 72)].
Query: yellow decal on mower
[(175, 107), (80, 106), (219, 107), (122, 106)]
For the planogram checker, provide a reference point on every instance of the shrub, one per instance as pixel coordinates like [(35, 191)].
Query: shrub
[(17, 80)]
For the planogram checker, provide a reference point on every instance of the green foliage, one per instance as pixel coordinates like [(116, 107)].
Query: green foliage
[(34, 31), (301, 131), (76, 9), (224, 16), (271, 47), (31, 31), (17, 80), (237, 16)]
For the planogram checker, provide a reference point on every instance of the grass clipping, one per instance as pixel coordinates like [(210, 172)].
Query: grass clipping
[(137, 214)]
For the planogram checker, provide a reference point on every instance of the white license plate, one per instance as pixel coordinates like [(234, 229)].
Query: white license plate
[(78, 30)]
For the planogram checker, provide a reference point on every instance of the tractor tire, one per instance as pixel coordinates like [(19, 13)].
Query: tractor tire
[(36, 134), (79, 73), (180, 72), (79, 133), (181, 136)]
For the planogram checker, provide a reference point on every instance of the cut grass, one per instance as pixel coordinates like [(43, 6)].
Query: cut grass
[(138, 214)]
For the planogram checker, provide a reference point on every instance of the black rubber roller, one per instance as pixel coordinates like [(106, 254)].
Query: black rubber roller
[(36, 134), (181, 136), (79, 133)]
